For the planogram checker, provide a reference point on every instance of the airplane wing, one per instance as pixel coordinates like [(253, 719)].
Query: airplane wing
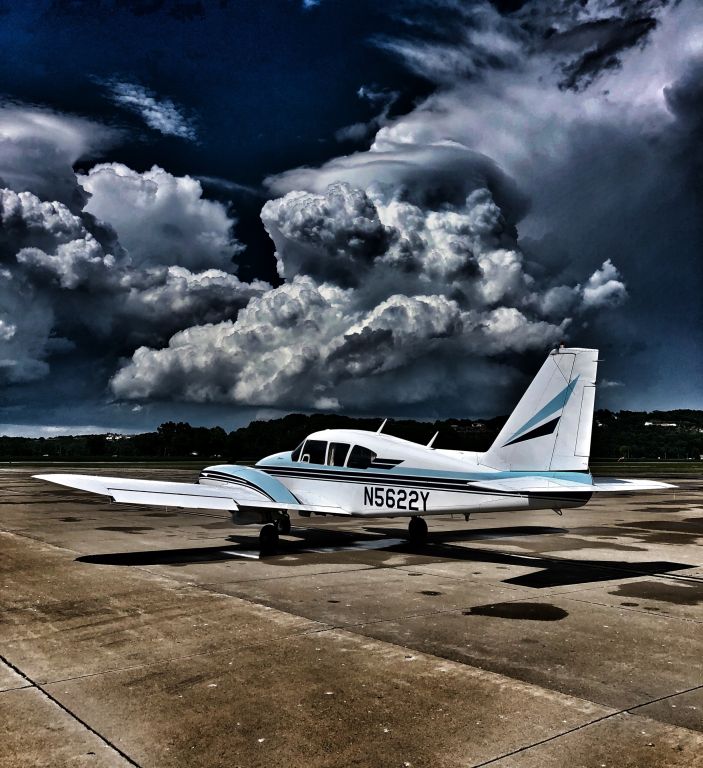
[(189, 495), (540, 484)]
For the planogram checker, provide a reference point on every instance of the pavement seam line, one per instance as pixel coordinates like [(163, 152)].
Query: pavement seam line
[(595, 721), (64, 708)]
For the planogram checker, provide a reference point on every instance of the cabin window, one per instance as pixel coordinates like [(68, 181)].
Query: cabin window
[(337, 454), (295, 456), (360, 458), (314, 452)]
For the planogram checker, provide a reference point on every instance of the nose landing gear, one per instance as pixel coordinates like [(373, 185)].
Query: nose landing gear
[(417, 530)]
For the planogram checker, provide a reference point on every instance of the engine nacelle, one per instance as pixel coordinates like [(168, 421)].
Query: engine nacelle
[(252, 484), (250, 517)]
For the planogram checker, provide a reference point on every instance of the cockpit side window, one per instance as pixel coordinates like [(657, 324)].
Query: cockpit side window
[(360, 457), (337, 454), (314, 451), (295, 456)]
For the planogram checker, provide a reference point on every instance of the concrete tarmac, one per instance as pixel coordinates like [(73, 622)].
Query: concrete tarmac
[(142, 636)]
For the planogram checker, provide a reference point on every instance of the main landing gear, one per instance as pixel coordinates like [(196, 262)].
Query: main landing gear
[(417, 530), (268, 536)]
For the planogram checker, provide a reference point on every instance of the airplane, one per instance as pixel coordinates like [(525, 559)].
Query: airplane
[(538, 461)]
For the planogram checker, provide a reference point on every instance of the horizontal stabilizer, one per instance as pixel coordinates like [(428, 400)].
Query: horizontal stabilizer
[(189, 495), (618, 485), (533, 484)]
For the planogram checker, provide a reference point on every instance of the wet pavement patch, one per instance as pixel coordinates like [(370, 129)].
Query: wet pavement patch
[(677, 593), (125, 528), (519, 611)]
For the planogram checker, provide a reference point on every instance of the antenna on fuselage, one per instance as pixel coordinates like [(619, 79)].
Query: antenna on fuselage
[(380, 429), (431, 443)]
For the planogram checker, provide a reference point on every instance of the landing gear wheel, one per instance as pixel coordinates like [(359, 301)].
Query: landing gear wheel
[(283, 525), (268, 538), (417, 530)]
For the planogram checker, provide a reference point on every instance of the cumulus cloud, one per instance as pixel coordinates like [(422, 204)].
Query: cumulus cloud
[(160, 218), (106, 287), (604, 288), (329, 236), (160, 114), (378, 292), (476, 227), (146, 256)]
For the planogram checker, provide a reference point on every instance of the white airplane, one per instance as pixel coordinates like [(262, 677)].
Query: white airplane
[(538, 461)]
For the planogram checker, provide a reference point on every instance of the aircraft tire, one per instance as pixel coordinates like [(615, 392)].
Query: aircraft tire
[(283, 525), (417, 530), (268, 538)]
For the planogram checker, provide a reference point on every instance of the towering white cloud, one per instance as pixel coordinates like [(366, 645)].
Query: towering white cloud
[(160, 218), (380, 292)]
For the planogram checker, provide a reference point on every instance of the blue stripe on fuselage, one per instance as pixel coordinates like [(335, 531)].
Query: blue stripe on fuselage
[(433, 474)]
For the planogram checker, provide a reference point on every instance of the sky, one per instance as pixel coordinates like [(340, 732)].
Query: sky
[(221, 211)]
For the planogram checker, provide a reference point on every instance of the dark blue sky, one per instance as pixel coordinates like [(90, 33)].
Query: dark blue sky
[(266, 83)]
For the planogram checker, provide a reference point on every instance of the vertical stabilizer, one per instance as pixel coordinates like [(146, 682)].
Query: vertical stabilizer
[(550, 430)]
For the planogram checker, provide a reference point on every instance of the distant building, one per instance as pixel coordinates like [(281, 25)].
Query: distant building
[(660, 424)]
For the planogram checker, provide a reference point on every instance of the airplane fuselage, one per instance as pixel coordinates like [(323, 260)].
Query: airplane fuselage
[(401, 479)]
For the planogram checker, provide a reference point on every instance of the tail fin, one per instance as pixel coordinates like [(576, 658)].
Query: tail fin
[(551, 427)]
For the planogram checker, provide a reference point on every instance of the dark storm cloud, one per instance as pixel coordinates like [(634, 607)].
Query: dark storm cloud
[(322, 340), (449, 183), (548, 189), (608, 39), (150, 257), (38, 149), (449, 41)]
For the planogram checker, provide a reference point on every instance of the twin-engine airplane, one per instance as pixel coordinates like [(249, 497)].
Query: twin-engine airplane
[(538, 461)]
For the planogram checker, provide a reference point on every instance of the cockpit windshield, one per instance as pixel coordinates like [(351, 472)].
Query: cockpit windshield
[(295, 456)]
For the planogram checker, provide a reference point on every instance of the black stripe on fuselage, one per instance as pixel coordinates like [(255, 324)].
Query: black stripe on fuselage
[(456, 486)]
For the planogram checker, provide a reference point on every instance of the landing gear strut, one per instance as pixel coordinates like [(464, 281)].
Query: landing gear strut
[(268, 538), (283, 525), (417, 530)]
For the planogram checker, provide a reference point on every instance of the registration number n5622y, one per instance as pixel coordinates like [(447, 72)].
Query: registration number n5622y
[(396, 498)]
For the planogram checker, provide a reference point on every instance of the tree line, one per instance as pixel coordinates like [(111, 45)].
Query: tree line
[(628, 434)]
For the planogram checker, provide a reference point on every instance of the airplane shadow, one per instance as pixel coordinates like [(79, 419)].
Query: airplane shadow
[(319, 545)]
